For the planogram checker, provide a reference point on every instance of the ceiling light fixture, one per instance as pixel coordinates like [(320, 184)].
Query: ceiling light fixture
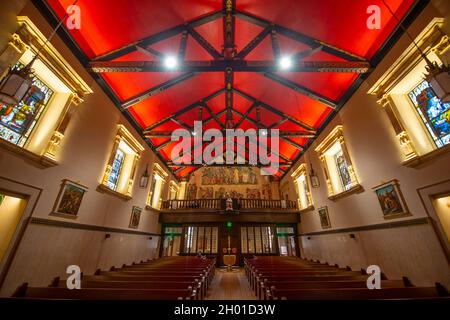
[(285, 63), (171, 62)]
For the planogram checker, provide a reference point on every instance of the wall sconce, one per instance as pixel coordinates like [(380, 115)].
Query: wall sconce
[(143, 182), (107, 236), (352, 236), (313, 177)]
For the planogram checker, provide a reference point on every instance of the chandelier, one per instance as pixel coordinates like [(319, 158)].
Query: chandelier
[(438, 76), (16, 84)]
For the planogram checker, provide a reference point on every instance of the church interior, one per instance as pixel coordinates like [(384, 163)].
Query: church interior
[(224, 150)]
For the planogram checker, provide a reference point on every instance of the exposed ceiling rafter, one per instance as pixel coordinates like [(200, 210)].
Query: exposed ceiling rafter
[(276, 111), (235, 65), (184, 110), (163, 35), (157, 89), (297, 36), (301, 89)]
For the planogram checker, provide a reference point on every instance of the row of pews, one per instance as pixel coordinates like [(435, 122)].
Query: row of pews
[(170, 278), (291, 278)]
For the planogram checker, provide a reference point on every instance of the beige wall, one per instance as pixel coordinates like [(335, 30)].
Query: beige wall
[(376, 158), (11, 210), (45, 252)]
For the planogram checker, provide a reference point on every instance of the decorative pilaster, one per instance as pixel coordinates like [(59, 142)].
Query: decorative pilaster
[(327, 175), (132, 174), (12, 53), (406, 146), (111, 160), (54, 144)]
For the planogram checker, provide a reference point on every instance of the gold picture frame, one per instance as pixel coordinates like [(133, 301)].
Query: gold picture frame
[(391, 200), (135, 217), (69, 199), (324, 217)]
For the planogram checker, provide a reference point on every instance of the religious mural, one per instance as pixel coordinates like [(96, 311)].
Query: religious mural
[(191, 192), (228, 176)]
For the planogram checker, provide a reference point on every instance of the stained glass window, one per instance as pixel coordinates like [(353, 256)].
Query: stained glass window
[(434, 114), (115, 170), (342, 167), (18, 121)]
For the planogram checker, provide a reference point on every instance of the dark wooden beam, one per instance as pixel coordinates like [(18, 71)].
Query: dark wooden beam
[(182, 124), (150, 52), (276, 111), (114, 54), (254, 43), (235, 65), (229, 98), (292, 143), (229, 29), (278, 123), (275, 45), (214, 116), (183, 44), (246, 114), (204, 43), (281, 133), (156, 90), (306, 53), (162, 145), (301, 89), (297, 36), (183, 110)]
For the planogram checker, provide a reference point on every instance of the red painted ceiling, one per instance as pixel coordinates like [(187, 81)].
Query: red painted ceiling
[(107, 25)]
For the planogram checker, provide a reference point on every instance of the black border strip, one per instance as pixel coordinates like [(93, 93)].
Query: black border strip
[(79, 226), (387, 225)]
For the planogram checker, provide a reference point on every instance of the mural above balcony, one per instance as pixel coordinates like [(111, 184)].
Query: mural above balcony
[(229, 176), (234, 182)]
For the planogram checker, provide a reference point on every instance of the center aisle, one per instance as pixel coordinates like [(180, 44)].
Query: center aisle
[(230, 286)]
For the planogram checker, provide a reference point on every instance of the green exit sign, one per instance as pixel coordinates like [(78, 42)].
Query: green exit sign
[(230, 224)]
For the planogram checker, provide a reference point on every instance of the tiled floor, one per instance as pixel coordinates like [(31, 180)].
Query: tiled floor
[(230, 286)]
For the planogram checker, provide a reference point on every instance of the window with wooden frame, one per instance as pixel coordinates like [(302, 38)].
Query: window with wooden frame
[(338, 168), (302, 188), (34, 128), (258, 239), (118, 177), (203, 239), (420, 122)]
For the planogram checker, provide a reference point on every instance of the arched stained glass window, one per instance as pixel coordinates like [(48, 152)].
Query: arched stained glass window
[(18, 121), (434, 114)]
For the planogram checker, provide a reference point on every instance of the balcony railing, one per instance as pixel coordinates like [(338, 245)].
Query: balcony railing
[(219, 204)]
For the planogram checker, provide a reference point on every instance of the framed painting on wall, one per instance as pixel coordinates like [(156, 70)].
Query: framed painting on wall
[(69, 199), (135, 217), (391, 199), (324, 217)]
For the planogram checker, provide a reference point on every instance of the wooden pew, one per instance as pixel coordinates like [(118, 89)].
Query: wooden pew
[(267, 287), (359, 294), (102, 294)]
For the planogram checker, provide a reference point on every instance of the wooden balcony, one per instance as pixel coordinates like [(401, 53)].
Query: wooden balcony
[(219, 204), (245, 210)]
